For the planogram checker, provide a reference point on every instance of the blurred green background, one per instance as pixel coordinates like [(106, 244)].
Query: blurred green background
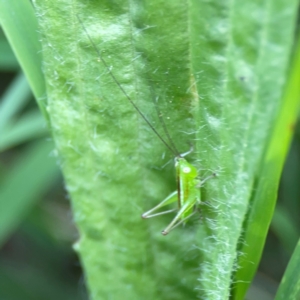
[(36, 228)]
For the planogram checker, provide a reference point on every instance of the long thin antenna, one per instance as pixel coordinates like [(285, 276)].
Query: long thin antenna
[(162, 122), (124, 92)]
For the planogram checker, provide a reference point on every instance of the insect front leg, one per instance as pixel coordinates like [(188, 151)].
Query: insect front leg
[(201, 182)]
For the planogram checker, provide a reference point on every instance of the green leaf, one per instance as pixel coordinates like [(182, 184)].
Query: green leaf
[(217, 71), (20, 26)]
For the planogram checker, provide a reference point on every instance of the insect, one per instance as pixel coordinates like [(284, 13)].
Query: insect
[(187, 195)]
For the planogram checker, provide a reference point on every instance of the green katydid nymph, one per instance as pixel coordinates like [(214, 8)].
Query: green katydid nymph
[(187, 195)]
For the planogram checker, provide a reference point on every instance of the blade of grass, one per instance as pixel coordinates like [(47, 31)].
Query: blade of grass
[(285, 229), (289, 288), (30, 126), (265, 194), (32, 174), (14, 99), (8, 61), (19, 23)]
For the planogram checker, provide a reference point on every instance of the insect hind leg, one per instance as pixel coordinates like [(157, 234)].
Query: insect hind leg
[(175, 224), (170, 199)]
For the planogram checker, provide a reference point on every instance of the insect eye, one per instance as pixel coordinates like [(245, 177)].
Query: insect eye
[(186, 170)]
